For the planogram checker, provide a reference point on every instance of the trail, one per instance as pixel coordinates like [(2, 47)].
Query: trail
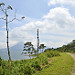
[(73, 69)]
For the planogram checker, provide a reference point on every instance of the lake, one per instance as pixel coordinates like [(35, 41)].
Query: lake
[(15, 55)]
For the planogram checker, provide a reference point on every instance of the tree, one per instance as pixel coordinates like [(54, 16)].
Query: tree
[(35, 51), (0, 61), (41, 47), (5, 11), (28, 48)]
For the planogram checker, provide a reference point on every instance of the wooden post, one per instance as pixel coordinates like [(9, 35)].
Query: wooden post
[(37, 41)]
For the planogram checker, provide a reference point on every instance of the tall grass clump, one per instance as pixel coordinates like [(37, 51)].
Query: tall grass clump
[(52, 53)]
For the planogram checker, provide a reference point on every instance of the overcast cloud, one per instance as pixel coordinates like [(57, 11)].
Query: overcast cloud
[(62, 2), (57, 28)]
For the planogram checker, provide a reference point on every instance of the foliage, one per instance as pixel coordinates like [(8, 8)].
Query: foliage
[(0, 61), (52, 53), (28, 48), (1, 70), (28, 70), (61, 66), (49, 55), (41, 47), (27, 67), (35, 51), (36, 65), (67, 48)]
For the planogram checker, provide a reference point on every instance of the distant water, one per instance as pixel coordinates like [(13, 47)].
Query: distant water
[(15, 55)]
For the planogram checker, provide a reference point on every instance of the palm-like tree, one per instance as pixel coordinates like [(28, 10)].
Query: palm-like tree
[(28, 48), (41, 47)]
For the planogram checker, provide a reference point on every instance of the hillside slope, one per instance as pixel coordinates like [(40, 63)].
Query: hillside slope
[(15, 52), (67, 48), (61, 66)]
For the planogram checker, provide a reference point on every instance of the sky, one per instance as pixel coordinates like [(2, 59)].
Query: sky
[(54, 18)]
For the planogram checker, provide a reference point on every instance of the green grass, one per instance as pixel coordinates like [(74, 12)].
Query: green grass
[(46, 63), (61, 65), (27, 67), (73, 69)]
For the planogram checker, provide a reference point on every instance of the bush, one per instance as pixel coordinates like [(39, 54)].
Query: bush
[(52, 53), (28, 70), (0, 61), (1, 70), (27, 67), (49, 55), (45, 62), (36, 65)]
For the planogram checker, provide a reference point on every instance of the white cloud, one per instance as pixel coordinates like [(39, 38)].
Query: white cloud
[(56, 29), (60, 17), (69, 2), (2, 39), (53, 44)]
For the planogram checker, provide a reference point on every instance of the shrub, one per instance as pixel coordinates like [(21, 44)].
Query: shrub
[(45, 61), (0, 61), (49, 55), (1, 70), (36, 65), (28, 70), (27, 67), (56, 53), (52, 53)]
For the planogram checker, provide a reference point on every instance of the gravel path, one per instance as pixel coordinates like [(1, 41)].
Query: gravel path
[(73, 56)]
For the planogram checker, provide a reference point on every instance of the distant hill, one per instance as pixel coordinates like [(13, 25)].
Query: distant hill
[(68, 48), (18, 47), (15, 51)]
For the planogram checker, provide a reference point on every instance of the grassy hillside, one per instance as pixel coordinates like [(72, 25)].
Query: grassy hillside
[(50, 62), (67, 48), (60, 66)]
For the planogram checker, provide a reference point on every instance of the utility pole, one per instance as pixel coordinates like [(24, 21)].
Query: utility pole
[(37, 41)]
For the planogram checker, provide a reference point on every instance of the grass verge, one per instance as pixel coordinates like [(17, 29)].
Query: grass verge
[(73, 68), (62, 65)]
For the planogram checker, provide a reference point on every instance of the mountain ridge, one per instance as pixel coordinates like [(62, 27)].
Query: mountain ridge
[(67, 48), (15, 52)]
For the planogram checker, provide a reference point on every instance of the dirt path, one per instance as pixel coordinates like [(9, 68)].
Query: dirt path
[(73, 69)]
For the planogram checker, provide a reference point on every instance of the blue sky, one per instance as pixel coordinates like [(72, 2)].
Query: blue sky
[(29, 8), (54, 18)]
